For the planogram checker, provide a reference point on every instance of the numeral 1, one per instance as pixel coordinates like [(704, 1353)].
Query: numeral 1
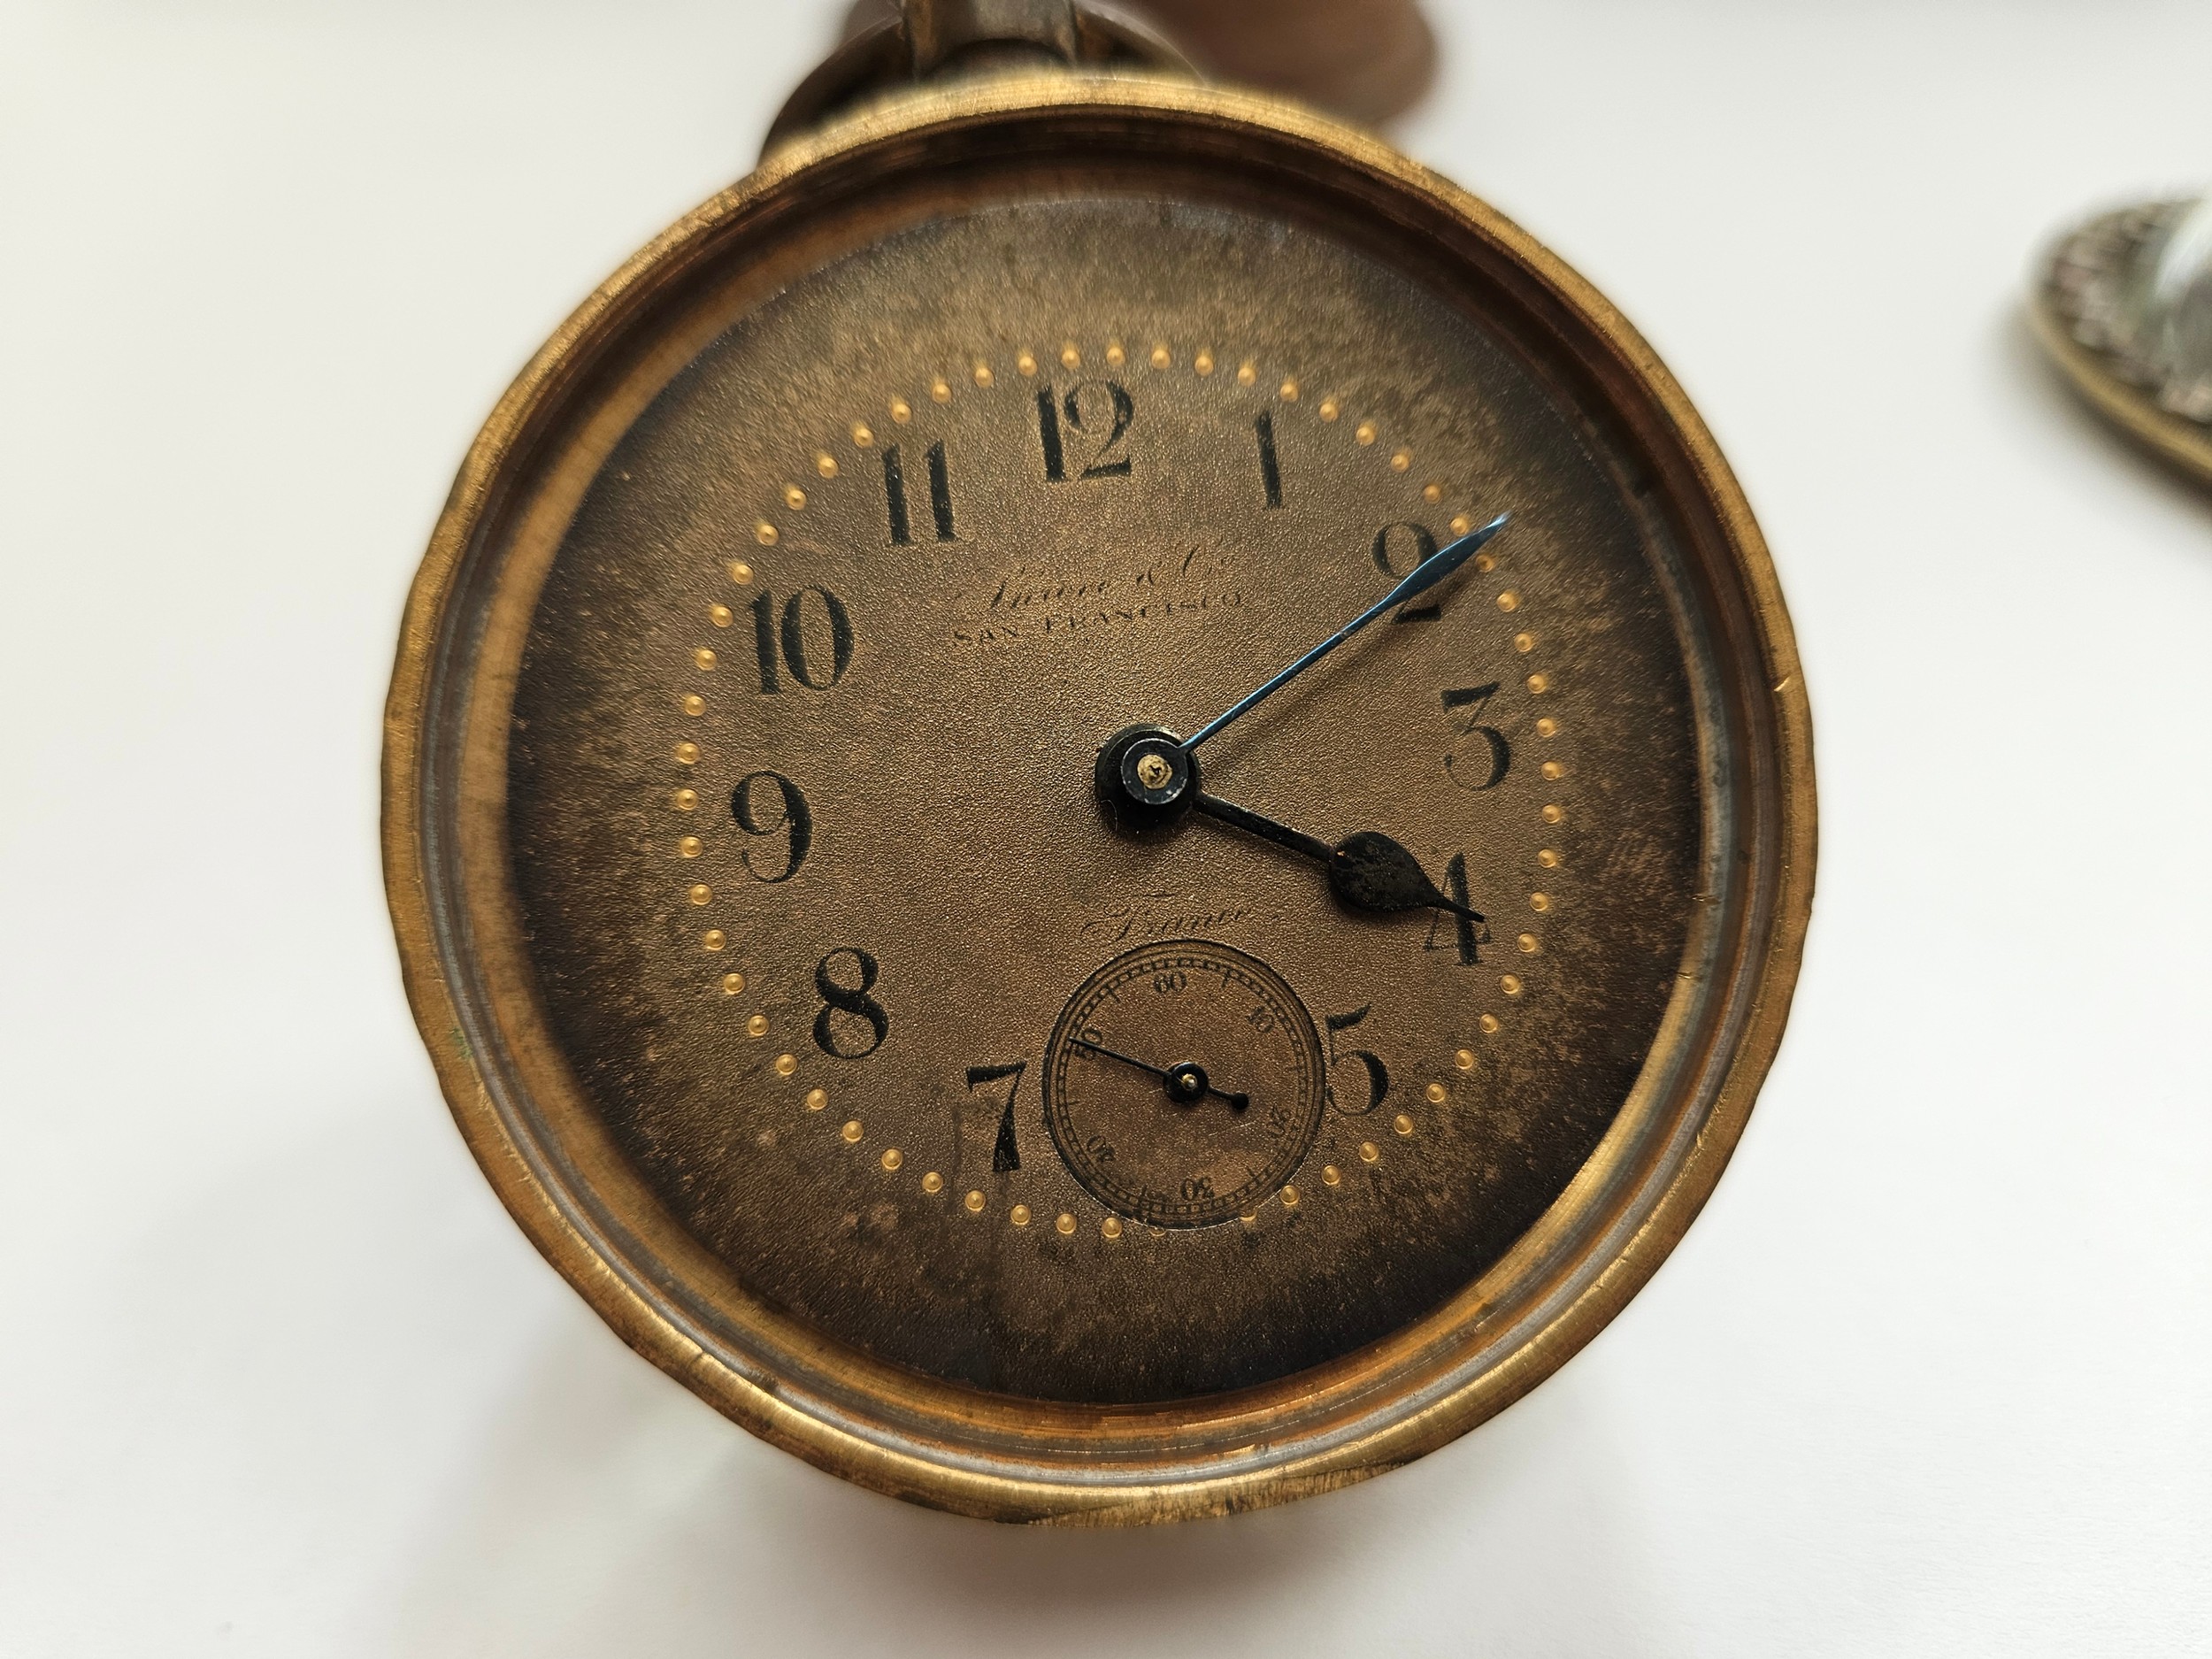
[(895, 500), (1049, 439), (1271, 472)]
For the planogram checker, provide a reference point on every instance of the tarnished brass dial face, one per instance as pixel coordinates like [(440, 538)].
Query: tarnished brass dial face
[(917, 1072)]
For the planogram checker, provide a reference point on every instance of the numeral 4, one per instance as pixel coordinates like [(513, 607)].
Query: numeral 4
[(1468, 934)]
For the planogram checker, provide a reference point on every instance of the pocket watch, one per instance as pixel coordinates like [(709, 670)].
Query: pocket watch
[(1096, 803)]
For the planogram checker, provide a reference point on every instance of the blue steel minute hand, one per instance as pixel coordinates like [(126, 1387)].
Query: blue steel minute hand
[(1424, 576)]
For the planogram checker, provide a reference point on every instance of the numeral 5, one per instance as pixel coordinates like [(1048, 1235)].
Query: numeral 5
[(1375, 1084)]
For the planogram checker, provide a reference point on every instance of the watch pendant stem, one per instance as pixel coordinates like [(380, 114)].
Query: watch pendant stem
[(894, 46), (939, 31)]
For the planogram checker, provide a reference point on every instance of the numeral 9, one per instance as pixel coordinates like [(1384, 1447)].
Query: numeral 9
[(791, 819)]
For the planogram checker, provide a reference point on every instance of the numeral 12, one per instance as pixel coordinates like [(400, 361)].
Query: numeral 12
[(1104, 463)]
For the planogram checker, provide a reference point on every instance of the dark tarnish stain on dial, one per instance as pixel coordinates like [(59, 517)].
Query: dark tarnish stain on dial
[(878, 820)]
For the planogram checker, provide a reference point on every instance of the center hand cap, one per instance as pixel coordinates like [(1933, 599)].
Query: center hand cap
[(1145, 780), (1187, 1083), (1154, 771)]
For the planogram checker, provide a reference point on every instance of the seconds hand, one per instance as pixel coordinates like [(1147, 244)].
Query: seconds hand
[(1184, 1083)]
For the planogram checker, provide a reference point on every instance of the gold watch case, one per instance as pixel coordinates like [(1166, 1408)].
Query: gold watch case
[(468, 957)]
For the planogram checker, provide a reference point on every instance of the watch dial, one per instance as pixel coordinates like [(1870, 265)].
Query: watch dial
[(839, 933)]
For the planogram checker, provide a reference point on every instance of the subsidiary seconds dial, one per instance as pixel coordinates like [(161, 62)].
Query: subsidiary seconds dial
[(1184, 1083)]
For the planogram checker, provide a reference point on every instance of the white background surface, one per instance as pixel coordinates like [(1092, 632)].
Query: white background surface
[(277, 1376)]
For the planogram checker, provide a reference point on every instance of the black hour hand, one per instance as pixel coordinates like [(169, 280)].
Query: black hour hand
[(1368, 871)]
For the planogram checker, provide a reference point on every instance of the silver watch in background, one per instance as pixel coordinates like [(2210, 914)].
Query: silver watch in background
[(2124, 306)]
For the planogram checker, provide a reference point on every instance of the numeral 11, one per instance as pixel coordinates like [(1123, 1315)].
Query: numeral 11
[(895, 495)]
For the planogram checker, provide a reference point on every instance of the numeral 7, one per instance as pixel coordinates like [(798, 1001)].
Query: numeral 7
[(1006, 1154)]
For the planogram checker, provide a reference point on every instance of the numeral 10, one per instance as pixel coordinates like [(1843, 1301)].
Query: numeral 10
[(781, 642)]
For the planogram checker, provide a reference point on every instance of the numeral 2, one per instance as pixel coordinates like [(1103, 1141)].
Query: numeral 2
[(1424, 547)]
